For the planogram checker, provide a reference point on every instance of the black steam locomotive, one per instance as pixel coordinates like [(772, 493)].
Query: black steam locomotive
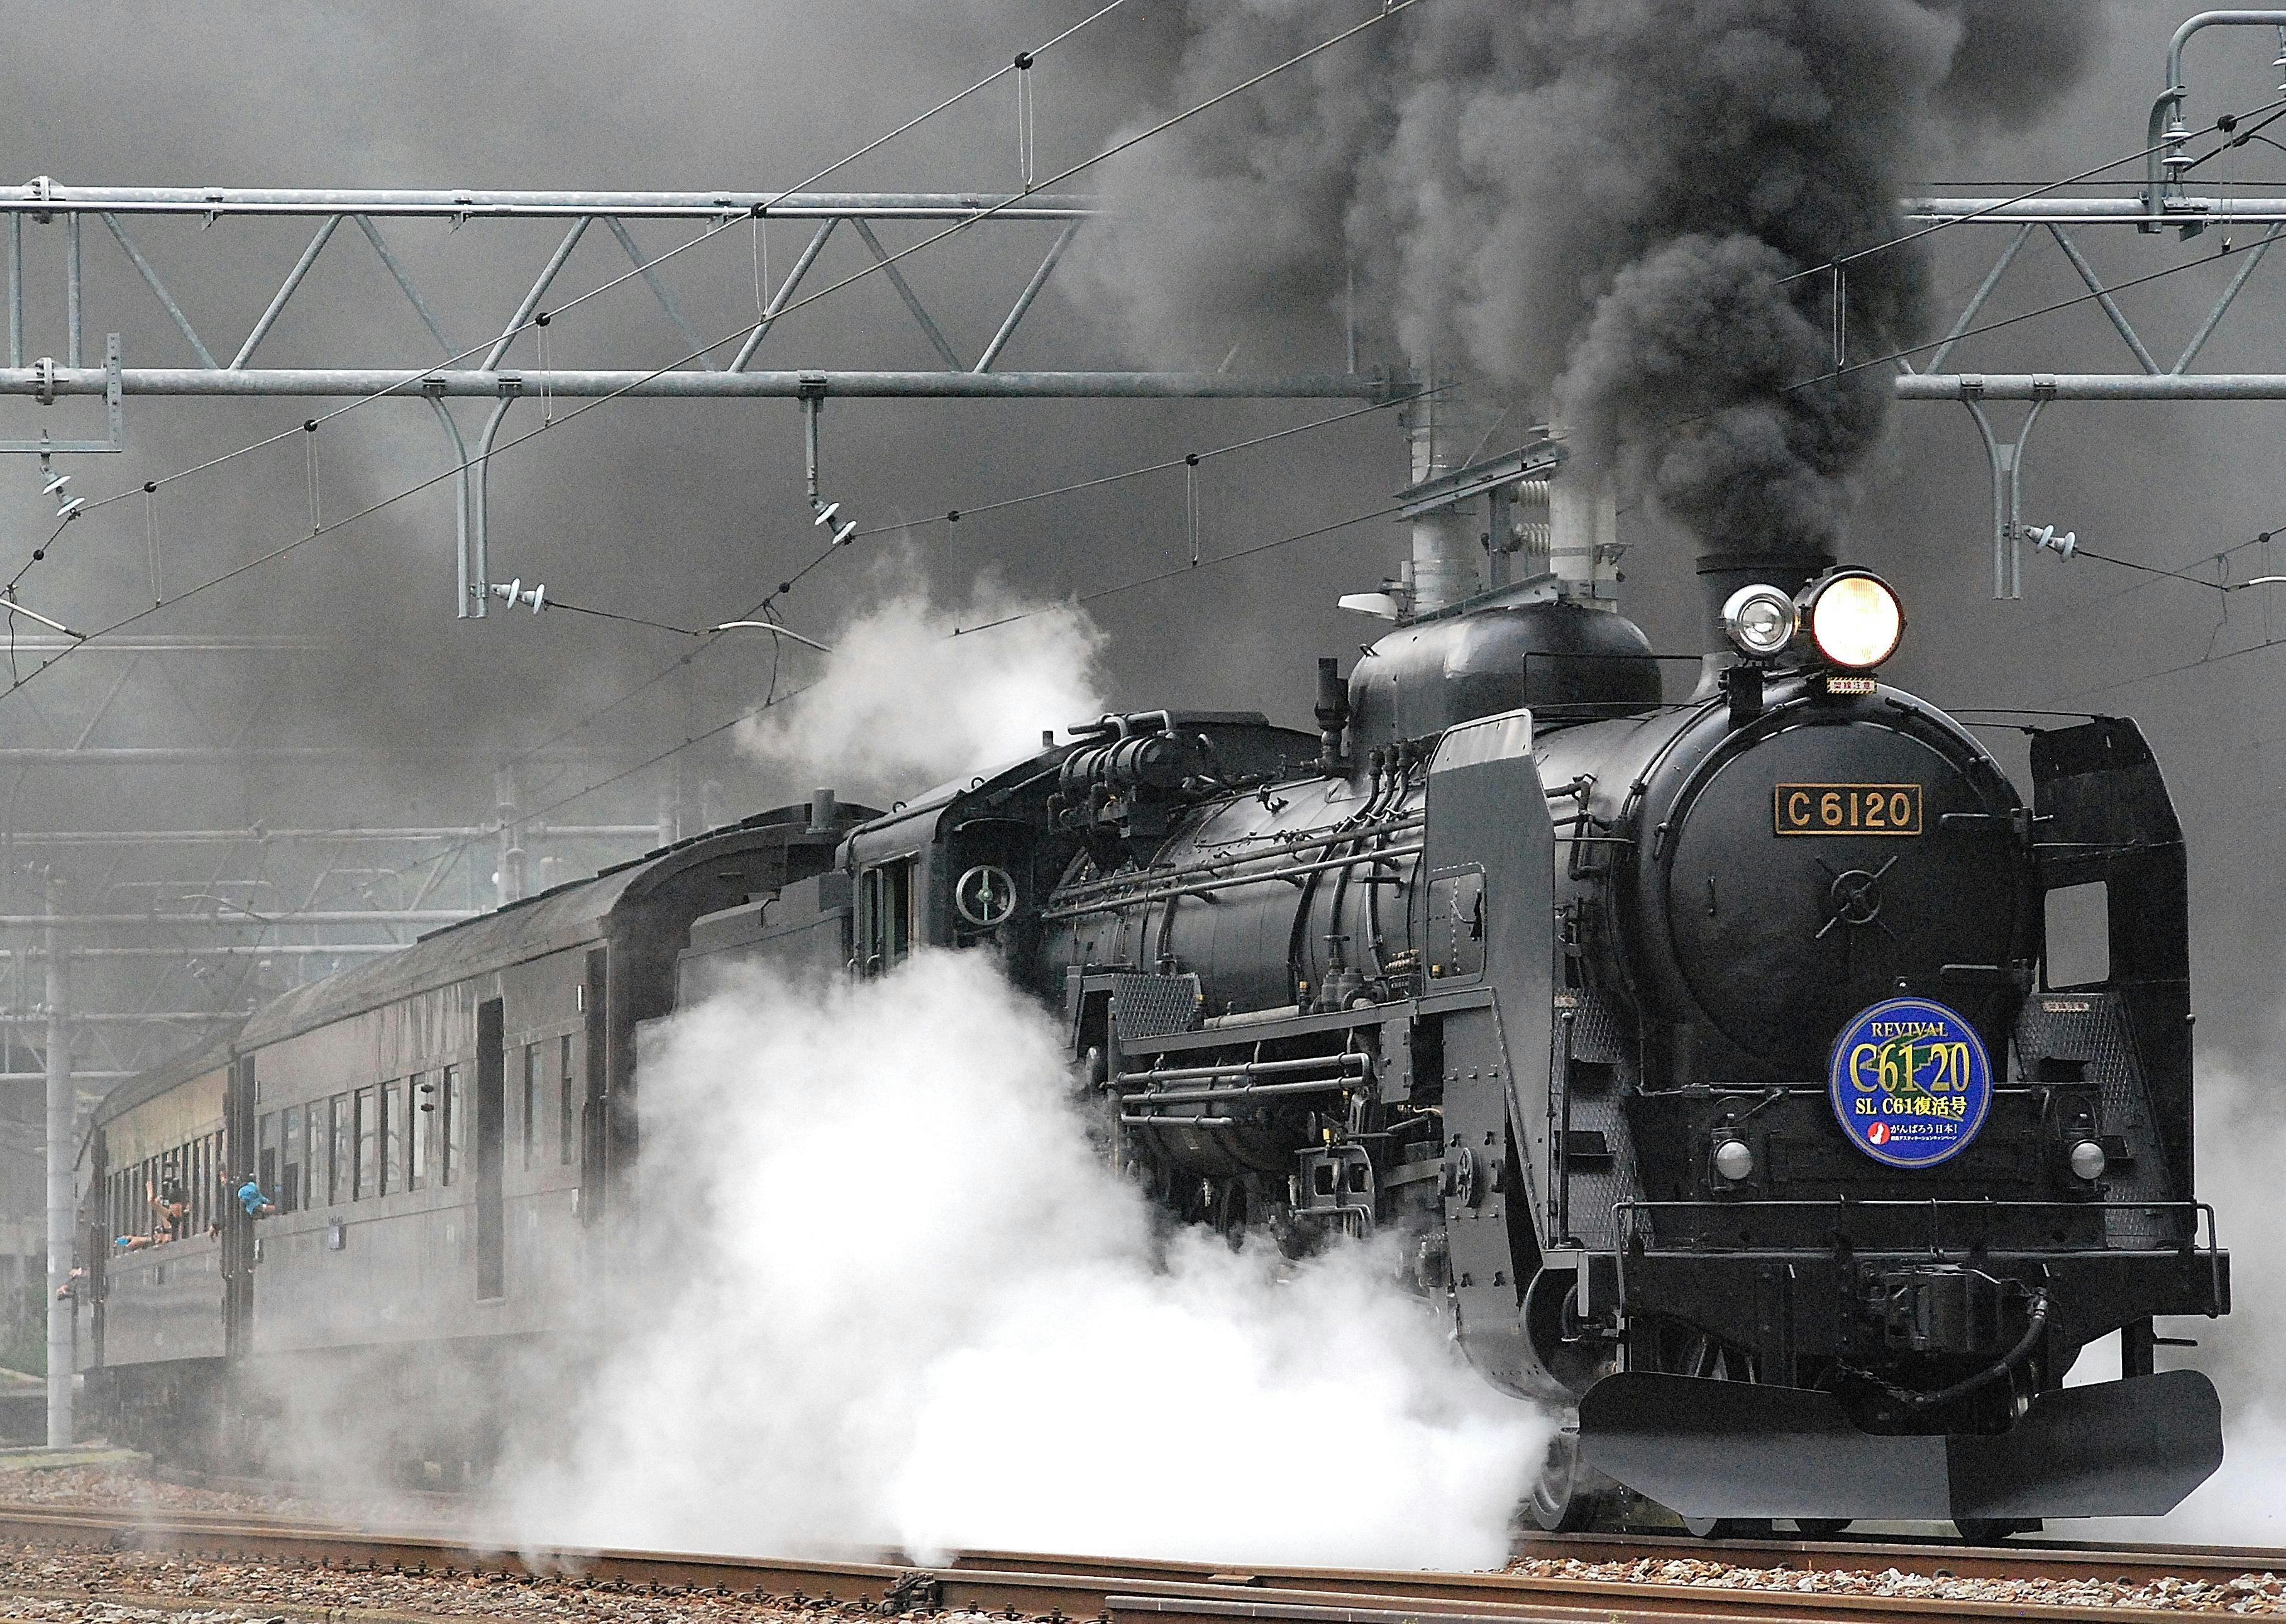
[(1705, 1057), (1704, 1053)]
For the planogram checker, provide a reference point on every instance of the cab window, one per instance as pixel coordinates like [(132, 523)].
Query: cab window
[(885, 916)]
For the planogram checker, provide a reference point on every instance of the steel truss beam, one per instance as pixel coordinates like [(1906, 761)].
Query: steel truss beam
[(2027, 218), (350, 382), (691, 371)]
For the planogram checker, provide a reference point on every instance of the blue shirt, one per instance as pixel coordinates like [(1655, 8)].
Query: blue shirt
[(250, 1196)]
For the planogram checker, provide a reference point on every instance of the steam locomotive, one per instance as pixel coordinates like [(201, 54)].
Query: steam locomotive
[(1711, 1059)]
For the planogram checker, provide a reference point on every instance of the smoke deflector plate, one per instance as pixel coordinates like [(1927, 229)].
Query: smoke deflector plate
[(1709, 1448)]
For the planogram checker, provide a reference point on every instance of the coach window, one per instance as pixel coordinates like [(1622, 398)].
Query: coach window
[(567, 1110), (886, 933), (291, 1141), (341, 1175), (366, 1159), (528, 1117), (316, 1139), (419, 1124), (393, 1126), (449, 1113)]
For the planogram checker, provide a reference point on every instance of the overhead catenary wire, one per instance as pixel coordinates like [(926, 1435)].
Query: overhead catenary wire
[(540, 319), (1391, 9), (2192, 665), (542, 812), (2224, 123), (2259, 539), (2152, 569), (954, 515), (1189, 569), (775, 698), (1189, 460)]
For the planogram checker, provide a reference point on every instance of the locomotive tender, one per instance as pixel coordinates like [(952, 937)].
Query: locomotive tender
[(1705, 1056)]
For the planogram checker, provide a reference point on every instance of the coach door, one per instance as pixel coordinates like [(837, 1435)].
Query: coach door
[(238, 1252), (492, 1099)]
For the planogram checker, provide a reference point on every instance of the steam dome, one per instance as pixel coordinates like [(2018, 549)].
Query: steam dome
[(1566, 662)]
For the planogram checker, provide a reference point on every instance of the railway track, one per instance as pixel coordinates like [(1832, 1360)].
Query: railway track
[(1016, 1585)]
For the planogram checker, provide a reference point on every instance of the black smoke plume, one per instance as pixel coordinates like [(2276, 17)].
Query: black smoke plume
[(1621, 207)]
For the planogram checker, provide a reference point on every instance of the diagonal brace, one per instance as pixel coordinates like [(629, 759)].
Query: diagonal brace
[(150, 280), (785, 292), (2103, 297), (2229, 293), (905, 292), (419, 305), (1024, 301), (665, 300), (1970, 310), (286, 290)]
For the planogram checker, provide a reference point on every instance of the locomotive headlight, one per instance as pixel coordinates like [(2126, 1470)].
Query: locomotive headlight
[(1734, 1160), (1854, 619), (1761, 620), (2087, 1161)]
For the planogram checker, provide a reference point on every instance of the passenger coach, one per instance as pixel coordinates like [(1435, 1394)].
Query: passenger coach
[(443, 1133)]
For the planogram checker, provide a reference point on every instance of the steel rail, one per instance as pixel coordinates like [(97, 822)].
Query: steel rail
[(1119, 1589)]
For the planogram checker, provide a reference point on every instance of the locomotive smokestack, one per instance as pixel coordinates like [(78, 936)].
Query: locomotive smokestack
[(1443, 568), (1721, 574)]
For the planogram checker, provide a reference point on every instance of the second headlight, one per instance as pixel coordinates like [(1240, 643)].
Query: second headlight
[(1760, 621)]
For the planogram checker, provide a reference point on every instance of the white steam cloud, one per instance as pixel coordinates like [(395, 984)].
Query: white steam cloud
[(915, 689), (2241, 1145), (902, 1299)]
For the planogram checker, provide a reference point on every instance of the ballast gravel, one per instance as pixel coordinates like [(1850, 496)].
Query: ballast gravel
[(47, 1587), (43, 1585), (2245, 1593)]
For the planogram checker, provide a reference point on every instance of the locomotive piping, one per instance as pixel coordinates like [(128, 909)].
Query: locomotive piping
[(2036, 1326)]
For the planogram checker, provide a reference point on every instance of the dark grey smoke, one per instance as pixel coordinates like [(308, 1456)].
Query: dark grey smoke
[(1600, 203)]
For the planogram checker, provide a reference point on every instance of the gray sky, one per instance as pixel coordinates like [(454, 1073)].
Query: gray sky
[(684, 513)]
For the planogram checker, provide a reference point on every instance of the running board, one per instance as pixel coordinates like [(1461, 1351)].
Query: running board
[(1707, 1448)]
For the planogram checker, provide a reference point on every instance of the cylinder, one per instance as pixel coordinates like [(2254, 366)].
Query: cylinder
[(822, 811)]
